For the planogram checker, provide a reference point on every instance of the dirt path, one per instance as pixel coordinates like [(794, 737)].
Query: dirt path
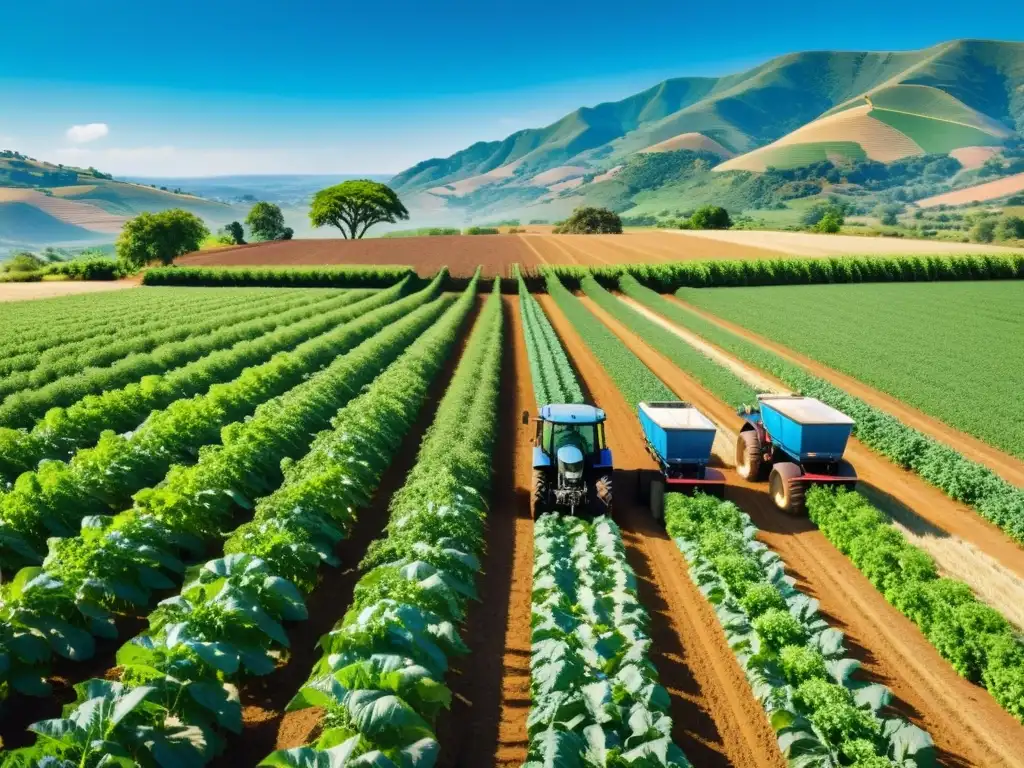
[(963, 544), (50, 289), (265, 724), (487, 723), (966, 723), (1010, 468), (716, 719)]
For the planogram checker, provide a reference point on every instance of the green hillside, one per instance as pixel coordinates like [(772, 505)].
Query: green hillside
[(963, 93)]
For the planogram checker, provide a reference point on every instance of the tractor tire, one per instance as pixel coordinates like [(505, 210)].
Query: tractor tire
[(539, 498), (787, 490), (603, 495), (658, 499), (644, 478), (748, 456)]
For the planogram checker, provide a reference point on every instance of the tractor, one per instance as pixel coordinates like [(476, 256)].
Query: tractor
[(802, 439), (572, 465)]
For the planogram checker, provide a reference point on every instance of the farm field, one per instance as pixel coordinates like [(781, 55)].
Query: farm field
[(953, 350), (293, 524), (54, 288)]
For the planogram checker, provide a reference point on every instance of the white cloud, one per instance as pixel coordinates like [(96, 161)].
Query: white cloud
[(80, 134)]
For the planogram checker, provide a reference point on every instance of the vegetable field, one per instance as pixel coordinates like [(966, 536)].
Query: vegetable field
[(283, 518)]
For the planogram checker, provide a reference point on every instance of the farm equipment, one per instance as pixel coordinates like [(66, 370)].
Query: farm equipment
[(802, 439), (679, 439), (572, 466)]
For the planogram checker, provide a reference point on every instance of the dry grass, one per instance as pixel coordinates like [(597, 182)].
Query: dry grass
[(973, 157), (51, 289), (694, 141), (989, 191)]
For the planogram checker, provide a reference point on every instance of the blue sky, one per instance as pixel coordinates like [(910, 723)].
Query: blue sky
[(209, 87)]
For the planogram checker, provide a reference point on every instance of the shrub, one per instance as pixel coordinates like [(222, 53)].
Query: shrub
[(983, 231), (1010, 228), (23, 262), (710, 217), (481, 231), (830, 224), (591, 221)]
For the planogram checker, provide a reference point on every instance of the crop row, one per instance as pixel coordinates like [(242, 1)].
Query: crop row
[(550, 369), (596, 699), (348, 276), (634, 379), (62, 431), (153, 317), (228, 622), (53, 500), (977, 640), (36, 326), (117, 562), (795, 662), (380, 680), (800, 271), (958, 477), (713, 376), (137, 345)]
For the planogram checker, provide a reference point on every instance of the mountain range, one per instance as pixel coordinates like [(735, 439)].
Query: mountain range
[(963, 98)]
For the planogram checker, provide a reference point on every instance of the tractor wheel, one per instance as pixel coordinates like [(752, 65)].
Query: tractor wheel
[(644, 478), (603, 495), (748, 456), (539, 500), (658, 499), (787, 489)]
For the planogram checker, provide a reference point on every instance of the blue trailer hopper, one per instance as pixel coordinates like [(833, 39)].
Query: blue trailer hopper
[(805, 428), (678, 435)]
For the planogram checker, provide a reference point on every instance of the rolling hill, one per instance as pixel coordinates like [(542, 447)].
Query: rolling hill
[(792, 111), (42, 203)]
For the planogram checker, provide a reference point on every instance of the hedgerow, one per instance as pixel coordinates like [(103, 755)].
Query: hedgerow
[(977, 640), (794, 661), (349, 276)]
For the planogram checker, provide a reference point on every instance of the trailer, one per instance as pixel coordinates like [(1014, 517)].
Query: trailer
[(801, 440), (679, 439)]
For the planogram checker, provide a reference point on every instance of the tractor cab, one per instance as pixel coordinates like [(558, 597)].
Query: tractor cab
[(572, 465)]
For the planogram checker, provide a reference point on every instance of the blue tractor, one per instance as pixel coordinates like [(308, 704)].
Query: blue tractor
[(802, 439), (572, 465)]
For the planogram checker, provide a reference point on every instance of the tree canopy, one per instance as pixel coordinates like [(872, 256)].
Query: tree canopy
[(591, 221), (355, 206), (265, 221), (159, 237), (711, 217)]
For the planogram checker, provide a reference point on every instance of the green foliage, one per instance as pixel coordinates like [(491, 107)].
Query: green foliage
[(348, 276), (984, 231), (980, 644), (161, 237), (23, 261), (634, 379), (481, 231), (355, 206), (380, 679), (94, 268), (1010, 228), (710, 217), (794, 661), (591, 682), (554, 380), (830, 223), (424, 232), (591, 221), (265, 221), (888, 212), (234, 229)]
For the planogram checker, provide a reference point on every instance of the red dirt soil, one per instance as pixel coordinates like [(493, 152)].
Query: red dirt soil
[(1010, 468), (462, 254), (968, 727), (716, 720), (637, 247)]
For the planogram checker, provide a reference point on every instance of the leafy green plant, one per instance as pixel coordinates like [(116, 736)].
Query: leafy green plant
[(348, 276), (550, 369)]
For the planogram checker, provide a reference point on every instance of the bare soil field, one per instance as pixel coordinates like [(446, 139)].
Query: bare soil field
[(636, 247), (967, 725), (49, 289), (988, 191), (812, 244)]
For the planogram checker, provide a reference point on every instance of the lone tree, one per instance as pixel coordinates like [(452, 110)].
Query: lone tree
[(355, 206), (159, 237), (265, 221), (710, 217), (591, 221), (234, 229)]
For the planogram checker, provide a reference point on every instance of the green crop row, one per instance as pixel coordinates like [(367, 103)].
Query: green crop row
[(713, 376), (634, 379), (593, 688), (958, 477), (380, 681), (53, 500), (800, 271), (348, 276), (976, 639), (139, 346), (125, 326), (62, 431), (550, 369), (117, 563), (795, 662), (229, 620)]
